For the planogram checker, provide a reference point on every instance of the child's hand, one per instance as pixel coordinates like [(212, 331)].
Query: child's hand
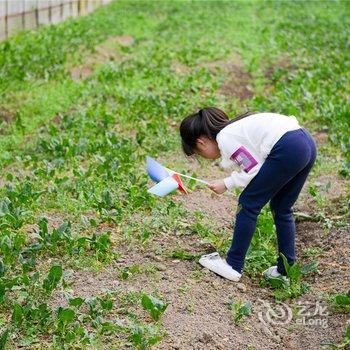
[(218, 187)]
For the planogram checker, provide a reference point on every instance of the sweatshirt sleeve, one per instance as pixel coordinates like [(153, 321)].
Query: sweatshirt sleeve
[(232, 149), (240, 178)]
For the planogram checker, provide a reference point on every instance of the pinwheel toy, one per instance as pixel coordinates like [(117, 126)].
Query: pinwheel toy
[(167, 180)]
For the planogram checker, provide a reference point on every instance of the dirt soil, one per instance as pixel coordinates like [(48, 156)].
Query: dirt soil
[(198, 316), (6, 115), (107, 51), (237, 82)]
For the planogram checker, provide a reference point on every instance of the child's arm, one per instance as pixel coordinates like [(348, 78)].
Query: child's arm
[(240, 179)]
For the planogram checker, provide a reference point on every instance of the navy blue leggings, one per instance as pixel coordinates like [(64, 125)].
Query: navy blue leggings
[(279, 180)]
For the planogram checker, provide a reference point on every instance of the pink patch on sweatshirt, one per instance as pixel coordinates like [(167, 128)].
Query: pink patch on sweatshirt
[(244, 159)]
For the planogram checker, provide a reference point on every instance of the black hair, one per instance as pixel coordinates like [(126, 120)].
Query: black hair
[(208, 122)]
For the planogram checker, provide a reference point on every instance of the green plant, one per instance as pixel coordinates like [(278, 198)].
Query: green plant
[(53, 278), (341, 302), (216, 239), (291, 286), (240, 310), (12, 215), (129, 271), (153, 305), (143, 336), (321, 202), (183, 255), (262, 252), (312, 251)]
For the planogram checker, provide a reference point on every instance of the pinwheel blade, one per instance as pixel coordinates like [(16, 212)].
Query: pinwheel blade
[(155, 170), (176, 177), (164, 187)]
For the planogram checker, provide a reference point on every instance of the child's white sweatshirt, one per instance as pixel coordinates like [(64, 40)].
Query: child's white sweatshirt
[(247, 142)]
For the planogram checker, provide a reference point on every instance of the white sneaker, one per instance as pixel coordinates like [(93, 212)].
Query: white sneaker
[(214, 263), (272, 272)]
